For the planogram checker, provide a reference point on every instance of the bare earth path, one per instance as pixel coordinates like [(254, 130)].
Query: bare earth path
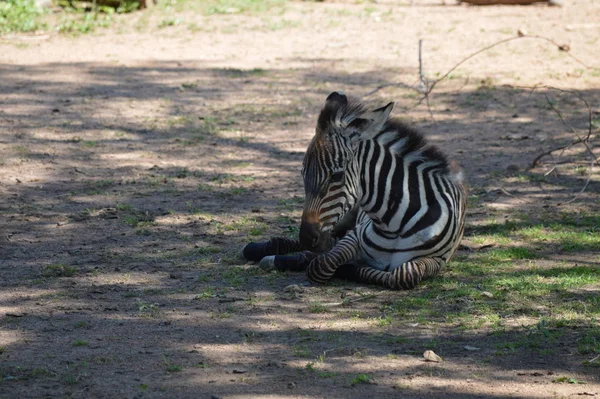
[(136, 162)]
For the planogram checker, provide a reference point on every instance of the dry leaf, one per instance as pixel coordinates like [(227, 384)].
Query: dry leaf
[(430, 356)]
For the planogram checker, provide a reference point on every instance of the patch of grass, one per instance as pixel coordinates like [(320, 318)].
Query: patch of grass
[(291, 204), (361, 379), (146, 309), (590, 343), (300, 351), (319, 373), (170, 21), (81, 324), (506, 254), (58, 270), (207, 250), (173, 368), (123, 207), (79, 342), (569, 239), (206, 294), (75, 21), (317, 307), (570, 380), (89, 144), (20, 16), (571, 232), (385, 321), (235, 276), (240, 73), (247, 225), (138, 220)]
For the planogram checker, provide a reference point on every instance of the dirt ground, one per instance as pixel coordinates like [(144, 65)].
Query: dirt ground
[(137, 161)]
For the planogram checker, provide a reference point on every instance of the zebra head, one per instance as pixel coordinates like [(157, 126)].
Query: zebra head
[(331, 166)]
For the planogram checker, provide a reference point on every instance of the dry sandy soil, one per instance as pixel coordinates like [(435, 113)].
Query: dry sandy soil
[(137, 161)]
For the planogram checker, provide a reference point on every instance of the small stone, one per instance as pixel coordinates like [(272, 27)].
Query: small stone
[(292, 385), (522, 32), (239, 371), (431, 356), (487, 294), (515, 136), (564, 47), (471, 348), (293, 288)]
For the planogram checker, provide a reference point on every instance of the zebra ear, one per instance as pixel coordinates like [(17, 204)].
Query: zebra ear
[(337, 97), (371, 123)]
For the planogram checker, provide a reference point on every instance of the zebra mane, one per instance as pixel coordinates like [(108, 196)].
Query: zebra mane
[(340, 111), (412, 142), (340, 114)]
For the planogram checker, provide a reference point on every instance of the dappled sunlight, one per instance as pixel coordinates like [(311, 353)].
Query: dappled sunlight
[(135, 170)]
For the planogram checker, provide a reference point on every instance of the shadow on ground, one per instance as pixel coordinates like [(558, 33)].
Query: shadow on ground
[(129, 192)]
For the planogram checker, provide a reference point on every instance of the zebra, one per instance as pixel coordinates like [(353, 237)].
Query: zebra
[(381, 205)]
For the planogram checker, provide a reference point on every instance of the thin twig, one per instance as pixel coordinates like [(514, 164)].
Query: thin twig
[(579, 139), (550, 171), (349, 301), (584, 186), (430, 85)]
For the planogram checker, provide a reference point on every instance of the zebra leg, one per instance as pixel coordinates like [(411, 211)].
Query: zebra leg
[(295, 262), (256, 251), (407, 276), (324, 266)]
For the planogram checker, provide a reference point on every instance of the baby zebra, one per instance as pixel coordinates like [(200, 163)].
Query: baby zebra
[(381, 206)]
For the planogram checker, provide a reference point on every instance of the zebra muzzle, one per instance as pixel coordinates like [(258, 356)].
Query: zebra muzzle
[(310, 235)]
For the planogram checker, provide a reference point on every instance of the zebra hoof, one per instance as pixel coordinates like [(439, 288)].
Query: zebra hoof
[(267, 263), (251, 252)]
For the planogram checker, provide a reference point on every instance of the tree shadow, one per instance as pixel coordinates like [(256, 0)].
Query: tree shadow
[(147, 181)]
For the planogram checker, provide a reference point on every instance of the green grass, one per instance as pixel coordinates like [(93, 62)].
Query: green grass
[(20, 16), (317, 307), (246, 225), (58, 270), (361, 379), (590, 343), (72, 18), (567, 232), (79, 342), (225, 7), (173, 368)]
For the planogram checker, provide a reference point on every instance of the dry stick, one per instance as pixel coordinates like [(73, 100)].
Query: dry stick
[(584, 186), (579, 139), (349, 301), (429, 88)]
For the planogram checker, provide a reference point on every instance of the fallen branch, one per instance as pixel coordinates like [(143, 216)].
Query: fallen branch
[(580, 140), (426, 86), (349, 301)]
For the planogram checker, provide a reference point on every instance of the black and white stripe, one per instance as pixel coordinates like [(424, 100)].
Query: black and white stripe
[(395, 203)]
